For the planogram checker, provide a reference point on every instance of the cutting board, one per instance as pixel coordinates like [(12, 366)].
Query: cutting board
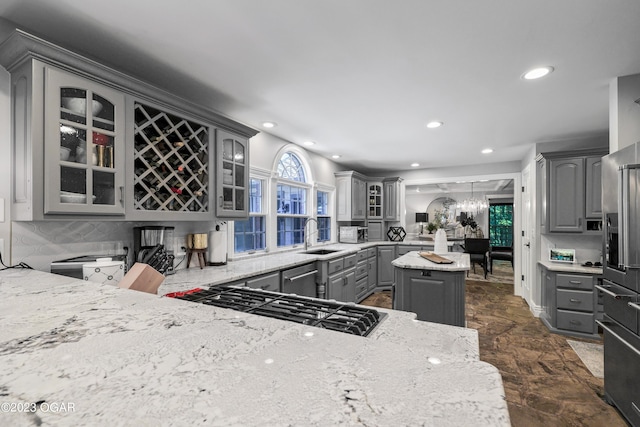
[(435, 258)]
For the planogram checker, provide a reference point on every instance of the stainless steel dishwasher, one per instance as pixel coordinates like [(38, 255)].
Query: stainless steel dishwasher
[(300, 280)]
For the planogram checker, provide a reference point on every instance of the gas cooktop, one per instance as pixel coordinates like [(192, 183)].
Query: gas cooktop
[(336, 316)]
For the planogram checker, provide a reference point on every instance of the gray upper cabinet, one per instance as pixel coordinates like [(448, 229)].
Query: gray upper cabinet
[(84, 146), (374, 200), (68, 144), (594, 187), (570, 188), (232, 176), (79, 150), (392, 197), (352, 196), (170, 158), (566, 195)]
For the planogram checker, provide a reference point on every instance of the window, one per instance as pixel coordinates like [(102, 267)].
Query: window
[(501, 225), (324, 220), (291, 202), (290, 167), (250, 234)]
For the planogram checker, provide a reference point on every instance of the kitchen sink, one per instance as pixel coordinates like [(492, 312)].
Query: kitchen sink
[(321, 251)]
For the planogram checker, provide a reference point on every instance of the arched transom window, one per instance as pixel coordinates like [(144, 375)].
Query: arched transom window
[(290, 167)]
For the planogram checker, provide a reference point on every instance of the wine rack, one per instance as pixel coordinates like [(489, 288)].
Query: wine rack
[(171, 162)]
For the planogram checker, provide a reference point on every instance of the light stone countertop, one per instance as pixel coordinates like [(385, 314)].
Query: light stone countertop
[(122, 357), (570, 268), (243, 268), (413, 260)]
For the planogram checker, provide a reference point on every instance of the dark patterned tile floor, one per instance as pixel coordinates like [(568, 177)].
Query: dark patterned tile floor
[(546, 383)]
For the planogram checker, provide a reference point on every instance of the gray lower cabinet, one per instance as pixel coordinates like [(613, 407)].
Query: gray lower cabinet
[(386, 275), (339, 278), (362, 275), (372, 264), (434, 296), (300, 280), (266, 282), (569, 303)]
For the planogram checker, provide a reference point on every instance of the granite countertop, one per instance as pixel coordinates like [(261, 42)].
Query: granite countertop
[(115, 356), (414, 261), (244, 268), (570, 268)]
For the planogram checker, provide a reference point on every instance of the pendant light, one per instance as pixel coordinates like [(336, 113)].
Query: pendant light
[(472, 205)]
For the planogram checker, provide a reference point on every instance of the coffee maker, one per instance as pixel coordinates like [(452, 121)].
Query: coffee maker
[(146, 238)]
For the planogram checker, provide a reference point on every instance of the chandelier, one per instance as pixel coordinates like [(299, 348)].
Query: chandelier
[(472, 204)]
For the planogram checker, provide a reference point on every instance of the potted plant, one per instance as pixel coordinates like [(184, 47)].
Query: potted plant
[(431, 227)]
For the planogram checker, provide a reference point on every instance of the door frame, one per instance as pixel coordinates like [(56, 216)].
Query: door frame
[(517, 212)]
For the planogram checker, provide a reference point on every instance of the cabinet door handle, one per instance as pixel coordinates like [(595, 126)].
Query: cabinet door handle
[(574, 300), (634, 305), (575, 282), (122, 195), (220, 201), (574, 322)]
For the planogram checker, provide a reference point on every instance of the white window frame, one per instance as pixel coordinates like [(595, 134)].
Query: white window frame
[(265, 177)]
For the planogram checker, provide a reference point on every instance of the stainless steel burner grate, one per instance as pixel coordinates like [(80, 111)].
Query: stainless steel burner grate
[(342, 317)]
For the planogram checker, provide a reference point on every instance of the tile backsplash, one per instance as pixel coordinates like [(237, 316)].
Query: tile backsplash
[(588, 247), (39, 243)]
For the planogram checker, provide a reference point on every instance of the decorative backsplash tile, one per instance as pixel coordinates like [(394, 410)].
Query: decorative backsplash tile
[(39, 243)]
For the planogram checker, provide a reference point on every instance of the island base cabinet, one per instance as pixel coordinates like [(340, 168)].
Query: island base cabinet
[(434, 296)]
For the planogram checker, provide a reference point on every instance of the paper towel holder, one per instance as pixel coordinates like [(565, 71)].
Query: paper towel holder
[(218, 245)]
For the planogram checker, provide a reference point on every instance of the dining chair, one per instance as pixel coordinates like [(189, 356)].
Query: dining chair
[(478, 250)]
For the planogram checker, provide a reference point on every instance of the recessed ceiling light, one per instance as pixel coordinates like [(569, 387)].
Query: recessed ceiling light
[(537, 73), (487, 151), (269, 124), (309, 143), (434, 124), (415, 165), (336, 156)]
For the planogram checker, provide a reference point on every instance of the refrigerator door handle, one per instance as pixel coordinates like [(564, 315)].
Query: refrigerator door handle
[(622, 215), (605, 325), (628, 177)]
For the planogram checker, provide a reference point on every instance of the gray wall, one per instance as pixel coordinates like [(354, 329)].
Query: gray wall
[(624, 112)]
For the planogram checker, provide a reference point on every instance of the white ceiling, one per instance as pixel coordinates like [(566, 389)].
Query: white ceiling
[(362, 78)]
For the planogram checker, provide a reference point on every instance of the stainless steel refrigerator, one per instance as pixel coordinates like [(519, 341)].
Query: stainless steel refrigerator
[(621, 283)]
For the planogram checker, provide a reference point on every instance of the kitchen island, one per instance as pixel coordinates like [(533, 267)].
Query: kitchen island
[(435, 292), (81, 353)]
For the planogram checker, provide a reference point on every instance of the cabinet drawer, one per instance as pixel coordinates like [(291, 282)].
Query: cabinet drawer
[(574, 321), (362, 255), (574, 300), (371, 252), (335, 265), (361, 288), (268, 282), (574, 281), (362, 269), (350, 261)]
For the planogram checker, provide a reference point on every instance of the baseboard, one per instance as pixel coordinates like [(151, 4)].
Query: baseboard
[(535, 309)]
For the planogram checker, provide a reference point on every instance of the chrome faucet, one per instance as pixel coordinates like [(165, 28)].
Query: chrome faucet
[(304, 230)]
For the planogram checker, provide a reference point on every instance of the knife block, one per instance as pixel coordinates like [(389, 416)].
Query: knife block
[(142, 277)]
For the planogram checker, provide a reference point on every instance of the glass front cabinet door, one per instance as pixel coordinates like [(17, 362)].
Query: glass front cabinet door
[(374, 200), (84, 146), (232, 175)]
